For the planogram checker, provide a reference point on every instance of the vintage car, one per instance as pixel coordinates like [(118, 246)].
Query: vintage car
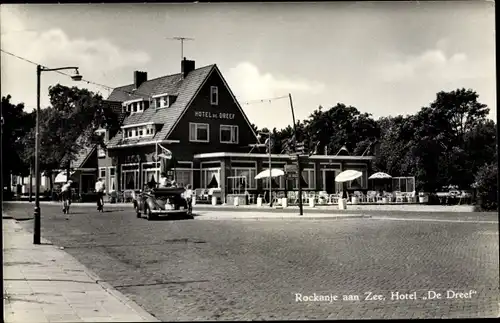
[(161, 201)]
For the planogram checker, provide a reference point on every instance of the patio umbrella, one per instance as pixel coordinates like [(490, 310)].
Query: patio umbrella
[(380, 175), (382, 178), (275, 172), (348, 175)]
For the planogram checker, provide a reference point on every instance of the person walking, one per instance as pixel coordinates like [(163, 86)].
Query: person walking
[(99, 188), (66, 196), (188, 195)]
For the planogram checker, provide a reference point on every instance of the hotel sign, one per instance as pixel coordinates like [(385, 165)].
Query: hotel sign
[(211, 115)]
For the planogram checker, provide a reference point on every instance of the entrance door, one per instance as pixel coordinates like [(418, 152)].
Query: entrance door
[(329, 181)]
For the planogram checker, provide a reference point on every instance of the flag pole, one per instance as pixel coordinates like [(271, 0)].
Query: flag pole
[(158, 165)]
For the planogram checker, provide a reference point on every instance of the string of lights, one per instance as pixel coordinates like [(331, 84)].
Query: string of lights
[(265, 100), (110, 88)]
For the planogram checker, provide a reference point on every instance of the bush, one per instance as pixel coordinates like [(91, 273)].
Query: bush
[(486, 184)]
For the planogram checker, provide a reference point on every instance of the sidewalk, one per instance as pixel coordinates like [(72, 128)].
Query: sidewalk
[(45, 284)]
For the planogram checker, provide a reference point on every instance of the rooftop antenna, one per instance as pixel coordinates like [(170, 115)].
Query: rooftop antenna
[(182, 39)]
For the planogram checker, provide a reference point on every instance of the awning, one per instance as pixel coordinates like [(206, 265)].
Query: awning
[(62, 178)]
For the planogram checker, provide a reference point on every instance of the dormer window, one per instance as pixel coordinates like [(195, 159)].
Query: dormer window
[(135, 106), (139, 131), (161, 101)]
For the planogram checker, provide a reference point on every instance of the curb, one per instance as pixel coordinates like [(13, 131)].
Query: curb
[(107, 287), (298, 217), (432, 220), (122, 298)]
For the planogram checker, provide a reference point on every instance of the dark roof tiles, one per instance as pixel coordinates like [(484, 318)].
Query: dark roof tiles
[(184, 88)]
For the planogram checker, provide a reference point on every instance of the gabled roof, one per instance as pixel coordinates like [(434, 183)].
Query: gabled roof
[(184, 88), (81, 157)]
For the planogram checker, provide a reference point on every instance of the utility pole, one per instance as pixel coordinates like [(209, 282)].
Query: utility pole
[(270, 173), (36, 215), (31, 182), (299, 170), (182, 39)]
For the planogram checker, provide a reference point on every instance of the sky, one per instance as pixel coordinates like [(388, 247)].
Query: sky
[(384, 58)]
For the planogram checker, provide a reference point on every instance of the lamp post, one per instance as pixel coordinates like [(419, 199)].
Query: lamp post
[(270, 166), (299, 170), (39, 70)]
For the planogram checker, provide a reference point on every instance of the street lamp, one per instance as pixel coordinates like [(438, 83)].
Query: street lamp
[(259, 135), (74, 77)]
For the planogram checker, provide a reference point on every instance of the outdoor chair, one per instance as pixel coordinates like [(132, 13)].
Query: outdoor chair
[(127, 196), (465, 196), (371, 197), (305, 197), (333, 199), (361, 197), (400, 197), (293, 197), (276, 200), (322, 197)]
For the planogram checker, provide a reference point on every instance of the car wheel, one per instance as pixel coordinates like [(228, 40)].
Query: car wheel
[(137, 211), (149, 215)]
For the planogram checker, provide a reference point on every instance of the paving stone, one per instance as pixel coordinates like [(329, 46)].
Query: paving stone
[(63, 318)]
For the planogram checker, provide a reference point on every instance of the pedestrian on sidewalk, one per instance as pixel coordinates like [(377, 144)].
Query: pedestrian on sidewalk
[(99, 188), (188, 195), (66, 196)]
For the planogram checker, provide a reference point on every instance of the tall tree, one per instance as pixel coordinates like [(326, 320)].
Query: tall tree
[(69, 125), (16, 124)]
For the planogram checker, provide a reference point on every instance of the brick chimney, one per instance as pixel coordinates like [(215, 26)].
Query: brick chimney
[(139, 78), (187, 66)]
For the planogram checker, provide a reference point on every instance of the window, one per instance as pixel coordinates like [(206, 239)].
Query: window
[(150, 130), (112, 179), (101, 152), (403, 184), (130, 177), (243, 178), (142, 131), (198, 132), (161, 101), (150, 173), (214, 95), (210, 177), (135, 106), (359, 182), (102, 173), (228, 134)]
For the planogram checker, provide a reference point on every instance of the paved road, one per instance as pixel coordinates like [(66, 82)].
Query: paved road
[(252, 270)]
